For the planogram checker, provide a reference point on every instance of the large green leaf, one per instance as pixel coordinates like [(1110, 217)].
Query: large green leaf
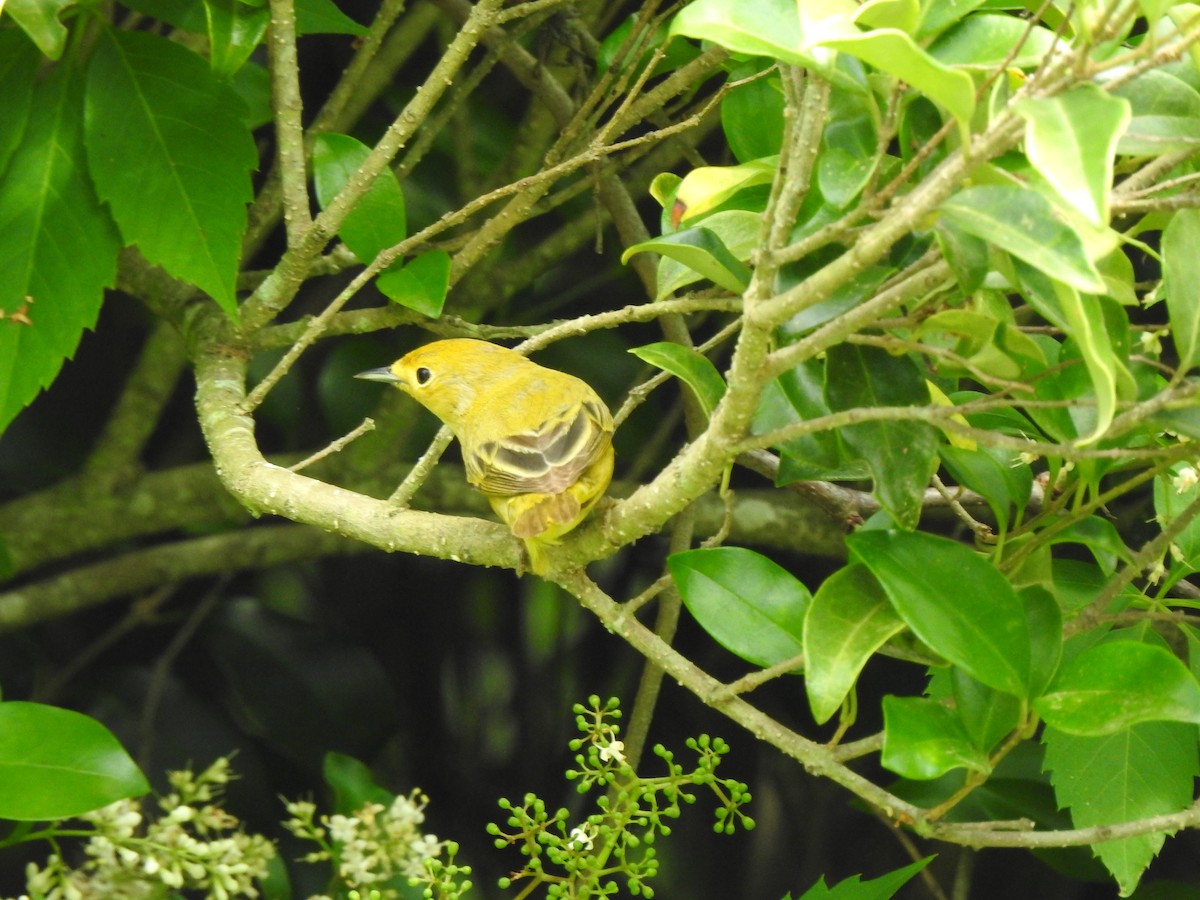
[(58, 246), (849, 619), (1136, 772), (1071, 138), (749, 605), (18, 73), (853, 888), (991, 474), (378, 220), (1166, 114), (171, 157), (690, 366), (902, 455), (40, 20), (766, 28), (896, 53), (954, 601), (1181, 283), (702, 253), (1022, 222), (57, 763), (1111, 686), (985, 41), (923, 739)]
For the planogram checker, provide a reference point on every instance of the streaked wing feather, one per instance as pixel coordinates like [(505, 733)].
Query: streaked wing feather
[(546, 461)]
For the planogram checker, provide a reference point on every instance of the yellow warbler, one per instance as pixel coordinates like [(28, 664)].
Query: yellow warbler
[(536, 442)]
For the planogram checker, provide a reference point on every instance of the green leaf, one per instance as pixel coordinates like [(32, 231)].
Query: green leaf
[(235, 30), (766, 28), (987, 715), (353, 783), (923, 739), (991, 474), (323, 17), (954, 601), (1181, 283), (184, 200), (1022, 222), (58, 246), (1111, 686), (689, 366), (902, 455), (1166, 114), (796, 396), (19, 62), (421, 284), (40, 20), (852, 888), (987, 40), (705, 188), (752, 116), (1045, 619), (747, 603), (1170, 500), (702, 251), (1071, 139), (897, 54), (1136, 772), (849, 619), (57, 763), (378, 220)]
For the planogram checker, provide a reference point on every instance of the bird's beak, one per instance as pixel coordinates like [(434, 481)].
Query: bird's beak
[(384, 374)]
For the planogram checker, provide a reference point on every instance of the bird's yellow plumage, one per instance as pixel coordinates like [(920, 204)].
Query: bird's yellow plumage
[(536, 442)]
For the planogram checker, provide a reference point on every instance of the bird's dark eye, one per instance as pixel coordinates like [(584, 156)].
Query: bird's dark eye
[(423, 375)]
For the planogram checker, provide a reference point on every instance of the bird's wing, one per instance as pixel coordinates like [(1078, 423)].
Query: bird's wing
[(545, 460)]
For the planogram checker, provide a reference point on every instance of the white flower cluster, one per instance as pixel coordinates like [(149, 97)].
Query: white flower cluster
[(376, 844), (194, 845)]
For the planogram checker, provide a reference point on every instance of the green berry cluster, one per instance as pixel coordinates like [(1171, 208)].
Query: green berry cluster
[(591, 857)]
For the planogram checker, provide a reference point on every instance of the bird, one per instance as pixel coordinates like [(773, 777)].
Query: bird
[(536, 442)]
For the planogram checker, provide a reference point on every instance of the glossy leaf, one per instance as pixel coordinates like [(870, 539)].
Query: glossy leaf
[(1136, 772), (1071, 139), (1045, 620), (796, 396), (702, 251), (923, 739), (18, 70), (898, 54), (57, 763), (991, 474), (987, 715), (378, 220), (58, 246), (767, 28), (1166, 114), (987, 40), (1022, 222), (853, 888), (1181, 283), (748, 604), (235, 30), (954, 600), (849, 619), (690, 366), (420, 284), (39, 19), (1111, 686), (184, 202), (705, 188), (902, 455), (752, 117)]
